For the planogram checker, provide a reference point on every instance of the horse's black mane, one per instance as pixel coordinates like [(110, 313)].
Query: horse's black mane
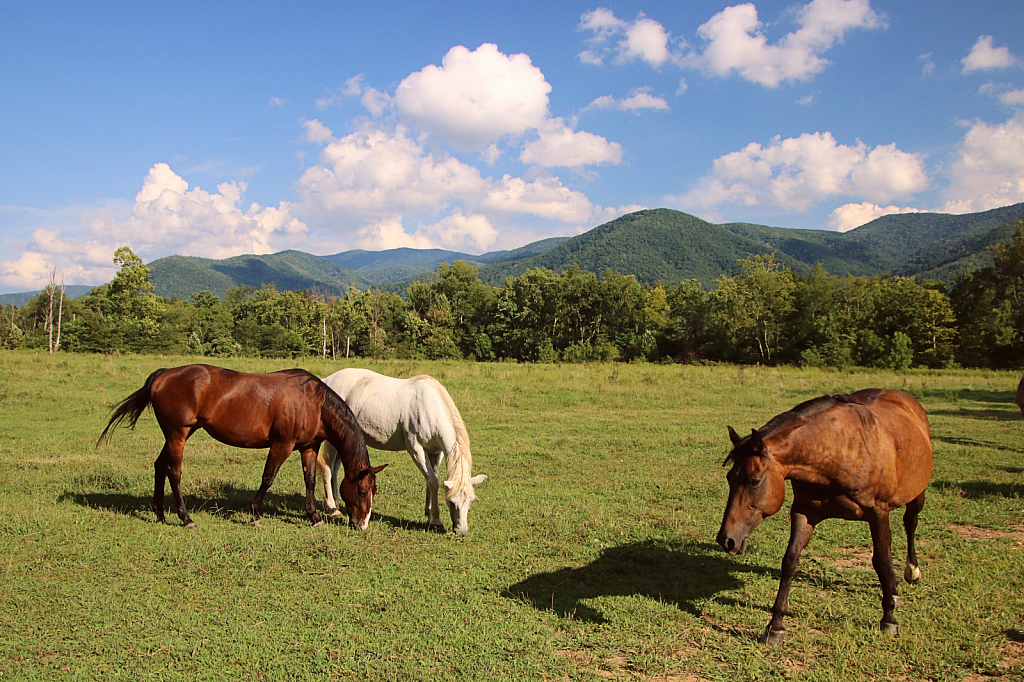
[(806, 409), (337, 411)]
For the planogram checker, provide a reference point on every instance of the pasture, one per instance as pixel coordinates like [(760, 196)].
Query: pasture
[(590, 555)]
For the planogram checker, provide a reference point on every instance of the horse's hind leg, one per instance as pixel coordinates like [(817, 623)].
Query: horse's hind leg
[(881, 559), (912, 573), (168, 465), (275, 458)]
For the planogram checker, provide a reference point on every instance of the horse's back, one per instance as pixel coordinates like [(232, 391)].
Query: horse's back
[(389, 409)]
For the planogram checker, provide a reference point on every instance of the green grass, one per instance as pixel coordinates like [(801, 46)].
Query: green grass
[(590, 554)]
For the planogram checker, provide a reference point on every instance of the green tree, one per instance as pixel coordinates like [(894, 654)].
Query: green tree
[(757, 303)]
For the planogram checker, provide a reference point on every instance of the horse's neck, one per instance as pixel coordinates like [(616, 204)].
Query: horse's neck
[(797, 459), (345, 440)]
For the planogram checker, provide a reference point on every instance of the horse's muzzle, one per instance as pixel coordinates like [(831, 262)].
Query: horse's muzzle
[(730, 544)]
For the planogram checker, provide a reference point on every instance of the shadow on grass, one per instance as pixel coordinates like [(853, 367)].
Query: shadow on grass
[(683, 576), (989, 414), (226, 501), (976, 490), (971, 442)]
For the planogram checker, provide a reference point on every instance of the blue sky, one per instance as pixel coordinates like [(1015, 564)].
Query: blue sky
[(213, 130)]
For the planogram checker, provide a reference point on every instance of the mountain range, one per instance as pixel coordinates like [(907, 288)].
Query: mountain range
[(654, 245)]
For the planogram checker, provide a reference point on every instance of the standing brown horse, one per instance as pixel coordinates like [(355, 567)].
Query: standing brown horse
[(285, 411), (854, 457)]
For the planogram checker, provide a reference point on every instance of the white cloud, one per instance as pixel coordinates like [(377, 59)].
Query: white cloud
[(987, 170), (1003, 92), (543, 197), (642, 39), (639, 98), (475, 97), (167, 218), (369, 182), (373, 174), (559, 145), (984, 57), (795, 173), (850, 216), (734, 41), (277, 102), (927, 65)]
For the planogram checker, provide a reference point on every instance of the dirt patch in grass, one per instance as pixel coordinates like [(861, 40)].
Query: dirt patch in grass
[(976, 533)]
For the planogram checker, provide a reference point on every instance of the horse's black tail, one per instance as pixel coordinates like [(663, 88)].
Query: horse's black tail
[(131, 408)]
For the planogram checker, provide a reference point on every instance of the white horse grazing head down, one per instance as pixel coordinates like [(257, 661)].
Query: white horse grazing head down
[(459, 499), (417, 415)]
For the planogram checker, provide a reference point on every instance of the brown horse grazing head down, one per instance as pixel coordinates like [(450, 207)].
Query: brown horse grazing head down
[(853, 457), (285, 411)]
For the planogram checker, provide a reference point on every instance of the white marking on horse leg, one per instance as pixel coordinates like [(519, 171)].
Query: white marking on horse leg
[(911, 573)]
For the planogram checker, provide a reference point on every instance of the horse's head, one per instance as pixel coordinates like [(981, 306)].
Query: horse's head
[(357, 489), (757, 489), (459, 502)]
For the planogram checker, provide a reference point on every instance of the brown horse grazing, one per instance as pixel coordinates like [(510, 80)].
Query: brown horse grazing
[(285, 411), (854, 457)]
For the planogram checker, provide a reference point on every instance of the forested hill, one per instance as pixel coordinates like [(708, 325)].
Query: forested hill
[(657, 244), (662, 244)]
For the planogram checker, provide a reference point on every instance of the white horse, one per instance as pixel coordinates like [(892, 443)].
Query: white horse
[(419, 416)]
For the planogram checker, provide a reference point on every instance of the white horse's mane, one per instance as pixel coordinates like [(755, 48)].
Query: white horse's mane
[(460, 459)]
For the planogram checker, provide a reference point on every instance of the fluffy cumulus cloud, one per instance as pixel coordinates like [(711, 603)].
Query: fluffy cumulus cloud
[(984, 57), (559, 145), (734, 41), (624, 41), (850, 216), (371, 182), (474, 97), (987, 170), (166, 218), (796, 173)]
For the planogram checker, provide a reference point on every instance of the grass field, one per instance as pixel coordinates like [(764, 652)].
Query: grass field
[(591, 550)]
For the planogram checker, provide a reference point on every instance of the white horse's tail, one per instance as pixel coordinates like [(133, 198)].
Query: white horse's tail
[(460, 459)]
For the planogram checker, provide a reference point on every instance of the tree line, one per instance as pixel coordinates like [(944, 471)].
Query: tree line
[(762, 313)]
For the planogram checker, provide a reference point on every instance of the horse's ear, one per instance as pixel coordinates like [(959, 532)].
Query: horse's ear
[(478, 479), (756, 442), (734, 437), (377, 470)]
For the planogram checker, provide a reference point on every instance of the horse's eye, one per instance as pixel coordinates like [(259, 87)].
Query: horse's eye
[(754, 482)]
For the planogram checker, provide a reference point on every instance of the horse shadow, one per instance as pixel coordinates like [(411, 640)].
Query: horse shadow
[(987, 414), (224, 500), (971, 442), (977, 490), (681, 575)]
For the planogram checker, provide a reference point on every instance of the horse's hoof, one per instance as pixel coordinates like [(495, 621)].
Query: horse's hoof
[(436, 527), (912, 574), (890, 629), (255, 522), (191, 525), (318, 524), (334, 514), (773, 637)]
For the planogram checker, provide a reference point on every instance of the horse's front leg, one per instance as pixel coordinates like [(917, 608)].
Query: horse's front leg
[(800, 531), (309, 466), (430, 506), (279, 452), (881, 559), (328, 462)]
